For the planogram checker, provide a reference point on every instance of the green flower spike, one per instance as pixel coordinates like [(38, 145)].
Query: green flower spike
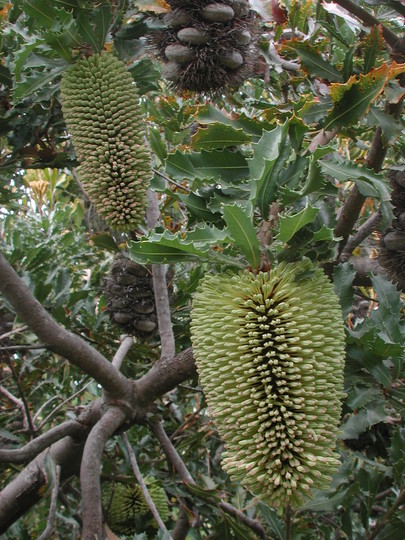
[(103, 115), (269, 350)]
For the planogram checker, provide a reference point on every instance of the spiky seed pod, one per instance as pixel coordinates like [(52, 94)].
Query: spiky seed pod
[(392, 250), (269, 350), (124, 503), (207, 46), (103, 115), (130, 297)]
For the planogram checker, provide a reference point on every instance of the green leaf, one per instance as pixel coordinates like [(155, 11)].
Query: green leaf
[(217, 165), (314, 63), (359, 422), (218, 135), (289, 225), (208, 114), (157, 145), (373, 45), (31, 84), (42, 11), (343, 276), (354, 98), (269, 156), (105, 241), (243, 233), (390, 126), (273, 520)]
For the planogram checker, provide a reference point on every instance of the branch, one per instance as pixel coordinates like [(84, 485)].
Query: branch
[(175, 460), (58, 407), (27, 420), (386, 517), (363, 232), (164, 375), (57, 339), (142, 484), (122, 351), (321, 139), (52, 508), (34, 447), (19, 404), (92, 514), (182, 526), (160, 286), (14, 331), (369, 20)]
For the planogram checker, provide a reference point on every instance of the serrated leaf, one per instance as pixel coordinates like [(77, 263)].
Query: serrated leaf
[(390, 126), (359, 422), (208, 114), (273, 520), (373, 45), (217, 165), (354, 98), (105, 241), (343, 276), (243, 233), (42, 11), (218, 135), (157, 145), (33, 83), (313, 61), (289, 225), (269, 156)]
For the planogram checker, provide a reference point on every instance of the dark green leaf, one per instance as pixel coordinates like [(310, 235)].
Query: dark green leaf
[(217, 136), (241, 229), (343, 276), (289, 225)]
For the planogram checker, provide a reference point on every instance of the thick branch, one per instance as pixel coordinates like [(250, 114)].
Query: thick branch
[(122, 351), (34, 447), (369, 20), (182, 527), (163, 310), (56, 338), (92, 514), (363, 232), (165, 375)]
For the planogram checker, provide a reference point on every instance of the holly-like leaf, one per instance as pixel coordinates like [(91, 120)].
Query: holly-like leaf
[(353, 99), (218, 135), (289, 225), (313, 61), (217, 165), (241, 230), (373, 45), (269, 156), (343, 276)]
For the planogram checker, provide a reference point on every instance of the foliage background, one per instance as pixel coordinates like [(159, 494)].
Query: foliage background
[(229, 170)]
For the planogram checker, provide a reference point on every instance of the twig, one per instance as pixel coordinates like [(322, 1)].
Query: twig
[(52, 508), (386, 517), (122, 351), (90, 472), (168, 179), (14, 331), (321, 139), (57, 338), (22, 347), (390, 37), (288, 522), (160, 287), (15, 400), (362, 233), (27, 420), (142, 484), (175, 460), (42, 407), (58, 407), (34, 447)]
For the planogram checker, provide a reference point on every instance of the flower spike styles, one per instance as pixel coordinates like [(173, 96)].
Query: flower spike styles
[(102, 113), (269, 350)]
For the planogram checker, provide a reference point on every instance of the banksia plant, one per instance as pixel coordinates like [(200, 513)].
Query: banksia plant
[(269, 350), (207, 46), (126, 508), (130, 297), (392, 250), (103, 115)]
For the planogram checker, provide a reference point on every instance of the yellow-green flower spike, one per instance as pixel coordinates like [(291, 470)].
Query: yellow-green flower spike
[(269, 350), (103, 115)]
